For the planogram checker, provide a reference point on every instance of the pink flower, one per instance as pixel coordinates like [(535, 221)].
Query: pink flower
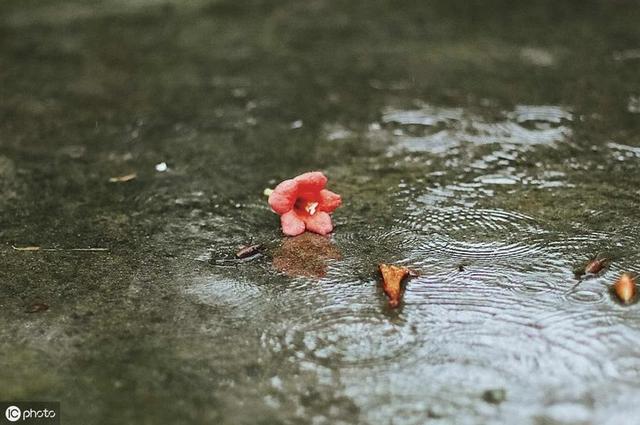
[(304, 203)]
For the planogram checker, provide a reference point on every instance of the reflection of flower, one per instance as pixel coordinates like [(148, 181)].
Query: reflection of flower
[(304, 203), (305, 255)]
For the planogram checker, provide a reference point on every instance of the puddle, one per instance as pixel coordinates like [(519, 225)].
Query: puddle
[(492, 151)]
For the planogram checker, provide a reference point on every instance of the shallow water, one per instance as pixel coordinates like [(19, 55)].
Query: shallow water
[(492, 148)]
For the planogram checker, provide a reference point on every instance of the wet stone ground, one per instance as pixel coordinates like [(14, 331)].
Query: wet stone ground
[(492, 147)]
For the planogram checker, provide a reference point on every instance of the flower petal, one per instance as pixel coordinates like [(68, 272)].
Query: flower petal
[(319, 223), (292, 225), (329, 200), (284, 196), (313, 181)]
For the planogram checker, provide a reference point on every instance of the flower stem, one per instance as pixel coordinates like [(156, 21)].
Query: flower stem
[(267, 192)]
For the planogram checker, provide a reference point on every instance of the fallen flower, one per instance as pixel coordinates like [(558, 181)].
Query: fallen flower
[(123, 179), (625, 288), (304, 203), (392, 277)]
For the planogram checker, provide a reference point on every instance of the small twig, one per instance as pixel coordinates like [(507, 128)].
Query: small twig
[(123, 179), (37, 248)]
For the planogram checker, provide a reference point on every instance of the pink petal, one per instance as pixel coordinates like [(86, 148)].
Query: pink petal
[(292, 225), (284, 196), (329, 201), (313, 181), (319, 223)]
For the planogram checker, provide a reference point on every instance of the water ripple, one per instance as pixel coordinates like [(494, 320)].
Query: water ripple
[(351, 336), (456, 218), (438, 129)]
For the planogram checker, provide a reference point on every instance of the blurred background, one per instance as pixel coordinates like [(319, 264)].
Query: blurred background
[(492, 146)]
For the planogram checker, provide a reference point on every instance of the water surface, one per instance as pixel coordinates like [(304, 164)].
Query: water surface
[(491, 147)]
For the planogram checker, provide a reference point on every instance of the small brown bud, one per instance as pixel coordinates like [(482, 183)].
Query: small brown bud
[(596, 265), (625, 288)]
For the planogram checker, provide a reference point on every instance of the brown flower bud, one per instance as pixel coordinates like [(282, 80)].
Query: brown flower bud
[(596, 265), (625, 288)]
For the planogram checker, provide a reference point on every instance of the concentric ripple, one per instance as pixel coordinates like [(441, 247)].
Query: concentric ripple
[(437, 129), (398, 237), (350, 336), (239, 299), (428, 115), (474, 233), (477, 250), (457, 219), (543, 113)]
